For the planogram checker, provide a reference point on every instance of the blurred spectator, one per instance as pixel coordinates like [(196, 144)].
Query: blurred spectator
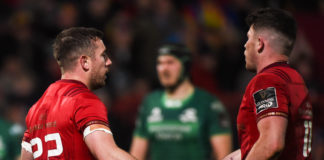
[(17, 81), (67, 16), (96, 13), (160, 24), (119, 31)]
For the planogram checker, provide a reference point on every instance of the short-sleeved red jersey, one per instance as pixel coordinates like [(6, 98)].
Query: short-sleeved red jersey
[(278, 90), (55, 123)]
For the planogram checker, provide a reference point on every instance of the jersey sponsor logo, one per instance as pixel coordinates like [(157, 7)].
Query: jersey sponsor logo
[(265, 99), (170, 131), (173, 130), (217, 106), (156, 115), (189, 115)]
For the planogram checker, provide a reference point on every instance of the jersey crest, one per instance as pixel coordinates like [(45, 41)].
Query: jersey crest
[(189, 115), (156, 115)]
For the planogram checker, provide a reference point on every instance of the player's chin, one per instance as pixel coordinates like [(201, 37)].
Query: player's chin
[(250, 69), (167, 84), (103, 82), (99, 84)]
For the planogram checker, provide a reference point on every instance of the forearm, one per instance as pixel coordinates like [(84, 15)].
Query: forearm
[(222, 145), (103, 147), (236, 155), (117, 154), (263, 151), (26, 151), (25, 155), (139, 148)]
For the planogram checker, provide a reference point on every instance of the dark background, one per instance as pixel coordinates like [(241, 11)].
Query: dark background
[(214, 31)]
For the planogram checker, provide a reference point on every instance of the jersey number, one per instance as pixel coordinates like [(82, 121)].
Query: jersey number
[(52, 152), (307, 138)]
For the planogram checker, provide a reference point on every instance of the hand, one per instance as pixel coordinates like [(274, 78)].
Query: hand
[(236, 155)]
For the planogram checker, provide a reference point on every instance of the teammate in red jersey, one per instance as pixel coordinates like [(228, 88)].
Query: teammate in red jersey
[(275, 116), (69, 121)]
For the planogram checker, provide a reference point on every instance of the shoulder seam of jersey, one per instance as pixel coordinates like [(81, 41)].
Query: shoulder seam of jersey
[(71, 90), (79, 92), (74, 91), (281, 74)]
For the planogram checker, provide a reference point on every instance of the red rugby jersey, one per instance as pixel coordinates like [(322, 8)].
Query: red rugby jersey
[(55, 123), (278, 90)]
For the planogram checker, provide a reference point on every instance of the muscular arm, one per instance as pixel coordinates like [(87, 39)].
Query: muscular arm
[(102, 145), (221, 145), (139, 147), (271, 140)]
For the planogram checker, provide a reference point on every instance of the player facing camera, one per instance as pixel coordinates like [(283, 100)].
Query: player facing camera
[(173, 65)]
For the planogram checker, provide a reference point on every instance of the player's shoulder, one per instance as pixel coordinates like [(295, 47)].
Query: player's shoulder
[(272, 75), (73, 89), (85, 94), (203, 94), (156, 94), (88, 98), (207, 100), (67, 88), (78, 92), (153, 97), (279, 72)]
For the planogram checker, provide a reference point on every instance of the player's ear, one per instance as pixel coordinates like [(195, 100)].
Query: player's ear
[(84, 62), (260, 45)]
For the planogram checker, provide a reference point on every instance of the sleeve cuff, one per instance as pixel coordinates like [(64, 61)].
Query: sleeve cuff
[(88, 131), (282, 114), (27, 146)]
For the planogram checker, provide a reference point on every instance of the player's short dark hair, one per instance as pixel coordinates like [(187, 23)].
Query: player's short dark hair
[(278, 20), (72, 42)]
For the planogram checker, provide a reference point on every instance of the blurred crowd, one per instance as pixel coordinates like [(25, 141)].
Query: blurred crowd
[(213, 30)]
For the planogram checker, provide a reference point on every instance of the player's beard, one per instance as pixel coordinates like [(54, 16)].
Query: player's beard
[(97, 81), (174, 86)]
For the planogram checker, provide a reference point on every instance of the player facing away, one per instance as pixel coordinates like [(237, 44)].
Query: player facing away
[(69, 121), (180, 122), (275, 116)]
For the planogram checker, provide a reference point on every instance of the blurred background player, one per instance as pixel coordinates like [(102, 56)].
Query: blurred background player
[(275, 117), (10, 137), (181, 121), (11, 131), (69, 121)]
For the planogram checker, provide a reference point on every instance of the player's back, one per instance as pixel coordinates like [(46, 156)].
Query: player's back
[(299, 130), (53, 128)]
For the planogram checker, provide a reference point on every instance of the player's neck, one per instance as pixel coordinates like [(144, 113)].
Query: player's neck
[(184, 90), (270, 59), (72, 76)]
